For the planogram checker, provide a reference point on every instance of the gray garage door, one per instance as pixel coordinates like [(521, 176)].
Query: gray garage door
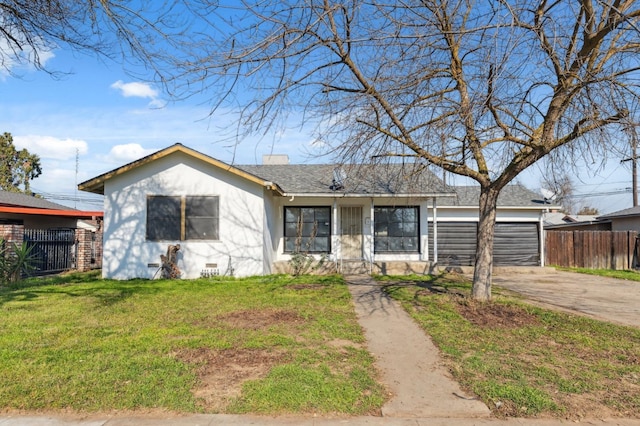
[(515, 244)]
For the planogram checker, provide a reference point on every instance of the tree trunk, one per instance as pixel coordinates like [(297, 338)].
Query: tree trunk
[(483, 270)]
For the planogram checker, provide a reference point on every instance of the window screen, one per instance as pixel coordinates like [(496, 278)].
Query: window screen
[(201, 218), (163, 218)]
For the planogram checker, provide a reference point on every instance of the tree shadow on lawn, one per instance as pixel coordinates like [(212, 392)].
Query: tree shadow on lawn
[(106, 292)]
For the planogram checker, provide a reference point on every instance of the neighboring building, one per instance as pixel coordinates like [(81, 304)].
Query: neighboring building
[(623, 220), (38, 213), (60, 238), (555, 221), (248, 220)]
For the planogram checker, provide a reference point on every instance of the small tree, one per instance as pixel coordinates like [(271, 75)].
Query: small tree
[(588, 211), (302, 261), (17, 168)]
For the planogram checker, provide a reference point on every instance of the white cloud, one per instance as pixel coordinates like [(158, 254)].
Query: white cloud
[(138, 90), (51, 147), (14, 60), (128, 152)]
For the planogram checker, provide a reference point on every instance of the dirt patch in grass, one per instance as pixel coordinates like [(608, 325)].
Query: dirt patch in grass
[(221, 373), (490, 314), (308, 286), (261, 319)]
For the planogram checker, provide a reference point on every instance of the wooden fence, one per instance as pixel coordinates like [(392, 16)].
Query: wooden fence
[(592, 249)]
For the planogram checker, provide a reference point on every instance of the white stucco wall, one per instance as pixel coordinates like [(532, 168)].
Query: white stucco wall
[(127, 253), (444, 214)]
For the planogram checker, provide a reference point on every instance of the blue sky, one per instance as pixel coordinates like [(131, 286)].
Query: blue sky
[(105, 119)]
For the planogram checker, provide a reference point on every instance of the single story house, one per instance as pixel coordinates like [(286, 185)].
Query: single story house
[(249, 220), (556, 221), (37, 213), (623, 220)]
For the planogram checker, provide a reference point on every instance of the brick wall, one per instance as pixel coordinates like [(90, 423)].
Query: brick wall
[(89, 245), (89, 249), (12, 233)]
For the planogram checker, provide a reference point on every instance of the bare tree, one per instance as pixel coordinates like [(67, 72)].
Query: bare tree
[(147, 34), (480, 89), (561, 189)]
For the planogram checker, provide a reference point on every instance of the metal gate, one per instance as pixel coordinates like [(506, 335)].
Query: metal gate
[(351, 232), (53, 250)]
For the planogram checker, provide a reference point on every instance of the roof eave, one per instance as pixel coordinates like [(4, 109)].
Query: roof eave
[(96, 185), (365, 195), (78, 214)]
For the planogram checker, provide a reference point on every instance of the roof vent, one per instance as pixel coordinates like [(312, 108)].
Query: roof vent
[(275, 159)]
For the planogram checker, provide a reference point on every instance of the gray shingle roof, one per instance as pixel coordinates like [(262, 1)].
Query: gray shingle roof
[(632, 211), (514, 195), (388, 179), (15, 199)]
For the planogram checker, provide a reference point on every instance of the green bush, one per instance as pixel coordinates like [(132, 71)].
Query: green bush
[(15, 260)]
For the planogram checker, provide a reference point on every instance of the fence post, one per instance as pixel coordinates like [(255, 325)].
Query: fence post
[(83, 249), (12, 234)]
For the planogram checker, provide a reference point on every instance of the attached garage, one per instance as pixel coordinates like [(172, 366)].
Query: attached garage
[(515, 243)]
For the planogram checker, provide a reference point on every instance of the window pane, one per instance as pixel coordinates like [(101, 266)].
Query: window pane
[(396, 229), (409, 229), (289, 244), (323, 214), (308, 229), (308, 215), (315, 229), (410, 214), (200, 228), (324, 229), (163, 218), (322, 245), (381, 244), (291, 214), (410, 243), (201, 218), (290, 229)]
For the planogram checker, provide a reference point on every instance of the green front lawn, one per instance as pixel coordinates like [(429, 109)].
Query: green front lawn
[(522, 360), (269, 345)]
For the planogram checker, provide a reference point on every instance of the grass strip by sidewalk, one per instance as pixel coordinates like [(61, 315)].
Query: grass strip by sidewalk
[(522, 360), (619, 274), (269, 345)]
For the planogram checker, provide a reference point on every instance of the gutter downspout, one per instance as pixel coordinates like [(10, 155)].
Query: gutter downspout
[(336, 240), (372, 243), (435, 231), (542, 245)]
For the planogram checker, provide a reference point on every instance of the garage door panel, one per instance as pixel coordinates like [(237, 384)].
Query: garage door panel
[(515, 244)]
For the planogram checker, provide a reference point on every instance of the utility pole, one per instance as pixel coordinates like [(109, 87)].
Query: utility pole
[(634, 164)]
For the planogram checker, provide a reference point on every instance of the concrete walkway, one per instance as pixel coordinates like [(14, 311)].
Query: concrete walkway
[(408, 361)]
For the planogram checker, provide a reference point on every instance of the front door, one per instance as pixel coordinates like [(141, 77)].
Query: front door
[(351, 232)]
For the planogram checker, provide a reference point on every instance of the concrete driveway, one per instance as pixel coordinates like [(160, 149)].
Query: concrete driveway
[(608, 299)]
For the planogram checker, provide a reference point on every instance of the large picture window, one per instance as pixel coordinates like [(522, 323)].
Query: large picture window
[(307, 229), (182, 218), (396, 229)]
